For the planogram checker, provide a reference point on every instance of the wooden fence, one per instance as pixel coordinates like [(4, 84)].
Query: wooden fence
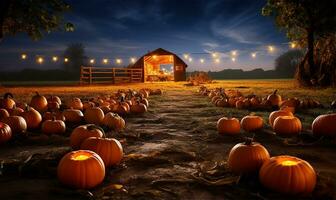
[(96, 75)]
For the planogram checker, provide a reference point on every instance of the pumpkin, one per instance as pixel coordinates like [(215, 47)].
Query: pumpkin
[(254, 102), (144, 93), (292, 102), (94, 115), (73, 115), (232, 102), (53, 106), (3, 113), (109, 149), (5, 133), (105, 109), (54, 99), (15, 111), (276, 114), (39, 102), (325, 125), (156, 92), (252, 123), (16, 123), (287, 126), (81, 169), (7, 102), (51, 115), (139, 108), (75, 103), (288, 109), (288, 175), (333, 105), (275, 99), (21, 105), (81, 133), (33, 118), (144, 101), (88, 104), (253, 154), (228, 126), (114, 121), (215, 98), (53, 127), (120, 108), (240, 104), (222, 102)]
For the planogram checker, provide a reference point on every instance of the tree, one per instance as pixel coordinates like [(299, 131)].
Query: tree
[(32, 17), (305, 22), (285, 64), (75, 53)]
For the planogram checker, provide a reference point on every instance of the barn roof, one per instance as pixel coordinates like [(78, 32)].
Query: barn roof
[(158, 52)]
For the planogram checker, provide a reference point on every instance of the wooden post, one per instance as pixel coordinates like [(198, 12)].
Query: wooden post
[(90, 74)]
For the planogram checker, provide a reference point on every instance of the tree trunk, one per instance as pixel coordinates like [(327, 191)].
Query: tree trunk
[(310, 53)]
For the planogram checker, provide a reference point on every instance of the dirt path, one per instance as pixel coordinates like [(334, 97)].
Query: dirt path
[(172, 152)]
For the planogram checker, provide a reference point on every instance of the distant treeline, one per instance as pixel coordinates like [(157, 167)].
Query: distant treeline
[(253, 74)]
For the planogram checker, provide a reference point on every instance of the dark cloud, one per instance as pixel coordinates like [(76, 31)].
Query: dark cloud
[(125, 28)]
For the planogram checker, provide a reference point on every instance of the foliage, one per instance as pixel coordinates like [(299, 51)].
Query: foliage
[(285, 64), (33, 17), (76, 57), (306, 22)]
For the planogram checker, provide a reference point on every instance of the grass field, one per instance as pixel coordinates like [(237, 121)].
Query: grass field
[(173, 151)]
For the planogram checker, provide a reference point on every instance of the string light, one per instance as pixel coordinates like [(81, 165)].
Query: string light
[(202, 60), (54, 58), (214, 55), (186, 56), (92, 61), (270, 48), (190, 59), (217, 60), (293, 45), (234, 53), (105, 60), (154, 56), (253, 55), (66, 60), (118, 61), (23, 56), (40, 60), (133, 60), (233, 59)]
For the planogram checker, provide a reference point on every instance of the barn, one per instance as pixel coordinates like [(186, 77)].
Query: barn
[(161, 65)]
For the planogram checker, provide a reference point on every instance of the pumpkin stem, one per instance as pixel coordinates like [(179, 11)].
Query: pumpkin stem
[(248, 140), (275, 91), (37, 94), (7, 95), (93, 127)]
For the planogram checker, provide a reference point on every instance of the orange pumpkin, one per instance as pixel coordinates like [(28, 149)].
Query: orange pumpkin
[(53, 106), (55, 99), (144, 93), (81, 133), (15, 111), (325, 125), (144, 101), (252, 123), (81, 169), (53, 127), (253, 154), (17, 123), (275, 99), (75, 103), (120, 108), (51, 115), (33, 118), (114, 121), (156, 92), (240, 104), (276, 114), (222, 102), (39, 102), (3, 113), (7, 102), (287, 126), (109, 149), (88, 104), (228, 126), (288, 175), (94, 115), (138, 108), (5, 133), (73, 115)]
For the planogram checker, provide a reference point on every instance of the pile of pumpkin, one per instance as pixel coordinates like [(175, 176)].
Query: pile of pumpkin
[(50, 114), (276, 173), (233, 98)]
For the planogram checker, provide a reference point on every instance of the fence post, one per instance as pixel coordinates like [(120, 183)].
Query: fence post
[(90, 74)]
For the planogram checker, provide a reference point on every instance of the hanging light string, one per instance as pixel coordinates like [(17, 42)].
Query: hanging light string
[(215, 56)]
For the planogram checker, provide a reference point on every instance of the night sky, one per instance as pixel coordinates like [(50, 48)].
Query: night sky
[(123, 29)]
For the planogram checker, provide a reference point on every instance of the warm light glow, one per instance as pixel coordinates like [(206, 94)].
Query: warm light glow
[(40, 60), (154, 56), (66, 60), (54, 58), (233, 59), (186, 56), (233, 53), (80, 157), (293, 45), (133, 60), (214, 55), (217, 60), (202, 60), (288, 163), (118, 61), (92, 61), (23, 56), (105, 60), (270, 48), (253, 55), (190, 59)]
